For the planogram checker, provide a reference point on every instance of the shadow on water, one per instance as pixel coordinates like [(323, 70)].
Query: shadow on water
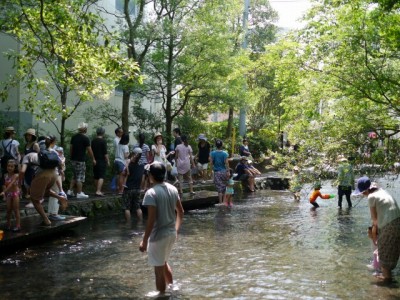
[(266, 247)]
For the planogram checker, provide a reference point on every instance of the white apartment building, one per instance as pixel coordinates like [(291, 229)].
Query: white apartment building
[(21, 120)]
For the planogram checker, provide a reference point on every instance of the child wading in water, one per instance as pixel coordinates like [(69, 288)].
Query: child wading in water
[(11, 193), (229, 190), (317, 193)]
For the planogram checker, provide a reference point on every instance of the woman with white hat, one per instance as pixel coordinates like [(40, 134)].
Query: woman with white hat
[(159, 150)]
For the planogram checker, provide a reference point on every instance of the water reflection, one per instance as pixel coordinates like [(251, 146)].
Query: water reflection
[(265, 247)]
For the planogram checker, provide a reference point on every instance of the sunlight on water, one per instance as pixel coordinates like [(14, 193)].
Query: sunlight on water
[(265, 247)]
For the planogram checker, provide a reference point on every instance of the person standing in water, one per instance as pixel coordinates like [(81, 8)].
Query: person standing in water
[(345, 181), (385, 231), (165, 215)]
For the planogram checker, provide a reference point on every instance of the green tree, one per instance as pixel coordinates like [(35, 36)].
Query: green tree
[(63, 61), (191, 53)]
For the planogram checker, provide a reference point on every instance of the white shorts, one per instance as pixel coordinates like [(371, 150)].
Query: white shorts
[(202, 166), (158, 252)]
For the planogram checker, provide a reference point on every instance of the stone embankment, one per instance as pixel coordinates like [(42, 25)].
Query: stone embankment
[(112, 204)]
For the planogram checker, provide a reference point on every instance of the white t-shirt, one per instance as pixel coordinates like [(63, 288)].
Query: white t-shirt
[(386, 207), (164, 197), (120, 152), (162, 157)]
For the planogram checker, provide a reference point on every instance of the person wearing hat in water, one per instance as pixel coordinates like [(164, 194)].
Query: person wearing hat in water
[(31, 145), (9, 149), (317, 193), (165, 215), (385, 216), (202, 156), (345, 180)]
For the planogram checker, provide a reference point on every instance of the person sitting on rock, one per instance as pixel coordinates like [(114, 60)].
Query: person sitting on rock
[(244, 174)]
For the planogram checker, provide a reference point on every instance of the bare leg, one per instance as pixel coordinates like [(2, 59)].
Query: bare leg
[(168, 274), (226, 200), (139, 214), (39, 208), (251, 183), (160, 278), (99, 186), (387, 274), (127, 216), (79, 187), (9, 211), (16, 212), (96, 184), (72, 184), (221, 197)]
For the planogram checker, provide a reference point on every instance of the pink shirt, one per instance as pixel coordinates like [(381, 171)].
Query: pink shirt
[(183, 158)]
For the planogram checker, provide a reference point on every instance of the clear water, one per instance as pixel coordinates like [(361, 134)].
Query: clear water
[(265, 247)]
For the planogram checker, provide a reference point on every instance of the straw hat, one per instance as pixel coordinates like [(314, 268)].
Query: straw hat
[(156, 135), (31, 131), (10, 129)]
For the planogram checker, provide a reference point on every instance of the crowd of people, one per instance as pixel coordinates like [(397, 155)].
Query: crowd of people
[(39, 172), (130, 169)]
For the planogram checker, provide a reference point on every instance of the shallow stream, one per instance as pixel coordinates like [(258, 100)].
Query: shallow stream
[(266, 247)]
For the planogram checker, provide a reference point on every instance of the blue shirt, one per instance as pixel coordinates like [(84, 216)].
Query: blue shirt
[(218, 158)]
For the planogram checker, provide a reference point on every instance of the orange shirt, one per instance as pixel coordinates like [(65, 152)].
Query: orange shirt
[(316, 193)]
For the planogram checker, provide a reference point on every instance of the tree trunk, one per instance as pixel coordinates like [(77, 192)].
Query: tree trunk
[(126, 95), (230, 123), (63, 116)]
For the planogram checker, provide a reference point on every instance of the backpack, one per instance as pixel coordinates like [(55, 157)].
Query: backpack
[(48, 159), (6, 155)]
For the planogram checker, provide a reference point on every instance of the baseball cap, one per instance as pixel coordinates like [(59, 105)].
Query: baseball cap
[(363, 184), (137, 150)]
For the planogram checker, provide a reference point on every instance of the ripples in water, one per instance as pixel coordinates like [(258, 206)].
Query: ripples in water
[(266, 247)]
